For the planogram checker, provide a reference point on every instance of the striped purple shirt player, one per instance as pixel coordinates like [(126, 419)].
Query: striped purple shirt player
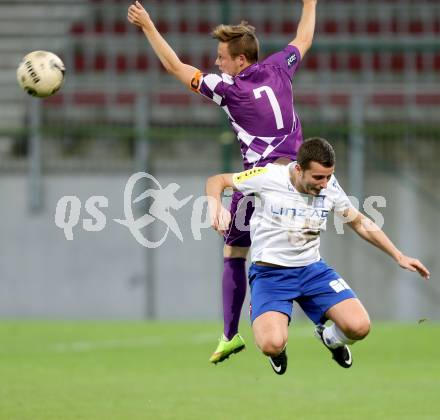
[(259, 105)]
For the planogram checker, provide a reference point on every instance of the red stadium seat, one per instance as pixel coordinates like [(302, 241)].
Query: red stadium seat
[(288, 27), (373, 27), (207, 61), (377, 62), (119, 27), (397, 62), (162, 26), (415, 27), (312, 100), (437, 62), (100, 62), (125, 98), (339, 99), (89, 98), (334, 62), (79, 62), (330, 27), (142, 63), (389, 99), (54, 100), (311, 62), (183, 26), (98, 26), (353, 26), (121, 63), (420, 63), (204, 27), (394, 26), (174, 99), (78, 28), (268, 27), (428, 99), (355, 62)]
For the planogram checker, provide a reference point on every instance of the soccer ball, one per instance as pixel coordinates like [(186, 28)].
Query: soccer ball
[(41, 73)]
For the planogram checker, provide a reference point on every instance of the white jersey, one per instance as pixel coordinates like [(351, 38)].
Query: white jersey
[(286, 224)]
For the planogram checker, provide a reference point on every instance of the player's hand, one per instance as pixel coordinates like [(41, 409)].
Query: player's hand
[(224, 220), (220, 218), (138, 16), (310, 1), (413, 264)]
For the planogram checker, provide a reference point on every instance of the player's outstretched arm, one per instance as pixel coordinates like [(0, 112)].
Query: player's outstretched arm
[(220, 217), (369, 231), (306, 27), (138, 16)]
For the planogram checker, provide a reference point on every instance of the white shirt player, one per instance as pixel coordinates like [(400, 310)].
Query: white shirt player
[(286, 224)]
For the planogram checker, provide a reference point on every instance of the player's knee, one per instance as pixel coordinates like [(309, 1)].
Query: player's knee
[(358, 329), (272, 346)]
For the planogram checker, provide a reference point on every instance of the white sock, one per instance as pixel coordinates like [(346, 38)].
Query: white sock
[(334, 337)]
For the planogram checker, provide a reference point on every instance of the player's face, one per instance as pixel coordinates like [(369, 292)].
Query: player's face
[(314, 179), (225, 62)]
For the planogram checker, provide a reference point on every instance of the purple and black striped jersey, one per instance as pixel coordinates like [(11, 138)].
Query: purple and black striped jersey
[(259, 105)]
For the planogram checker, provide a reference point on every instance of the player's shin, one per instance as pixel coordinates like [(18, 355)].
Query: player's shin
[(234, 293)]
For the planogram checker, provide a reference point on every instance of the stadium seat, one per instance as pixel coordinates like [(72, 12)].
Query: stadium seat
[(79, 62), (355, 62), (78, 28), (397, 62), (415, 27), (437, 62), (312, 62), (121, 63), (330, 26), (183, 26), (108, 43), (373, 27), (204, 27), (100, 62), (142, 63), (288, 27), (119, 27)]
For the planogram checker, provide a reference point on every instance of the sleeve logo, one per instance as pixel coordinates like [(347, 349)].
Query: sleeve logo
[(250, 173), (195, 81), (291, 60)]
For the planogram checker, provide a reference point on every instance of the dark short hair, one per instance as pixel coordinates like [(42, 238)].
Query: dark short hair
[(240, 38), (316, 149)]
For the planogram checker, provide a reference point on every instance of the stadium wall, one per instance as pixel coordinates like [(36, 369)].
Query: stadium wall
[(108, 275)]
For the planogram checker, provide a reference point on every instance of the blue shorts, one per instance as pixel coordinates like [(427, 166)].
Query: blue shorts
[(315, 287)]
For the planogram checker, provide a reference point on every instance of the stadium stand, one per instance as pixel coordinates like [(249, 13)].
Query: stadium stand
[(26, 26), (385, 51), (356, 42)]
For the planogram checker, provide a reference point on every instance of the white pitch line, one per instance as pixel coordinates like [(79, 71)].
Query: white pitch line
[(84, 346), (151, 341)]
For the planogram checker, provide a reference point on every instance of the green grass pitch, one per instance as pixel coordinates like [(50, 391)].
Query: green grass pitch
[(135, 370)]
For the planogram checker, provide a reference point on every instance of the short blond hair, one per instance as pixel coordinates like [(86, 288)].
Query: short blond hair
[(240, 38)]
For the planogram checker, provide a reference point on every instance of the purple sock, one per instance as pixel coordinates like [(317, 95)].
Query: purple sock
[(234, 292)]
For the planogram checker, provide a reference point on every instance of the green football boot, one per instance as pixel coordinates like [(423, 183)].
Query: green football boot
[(226, 348)]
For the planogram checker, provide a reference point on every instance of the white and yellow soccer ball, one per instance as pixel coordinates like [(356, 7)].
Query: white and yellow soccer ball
[(41, 73)]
